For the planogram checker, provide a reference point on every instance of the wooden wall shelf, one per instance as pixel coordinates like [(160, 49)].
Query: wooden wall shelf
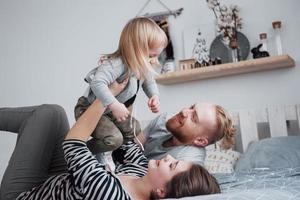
[(241, 67)]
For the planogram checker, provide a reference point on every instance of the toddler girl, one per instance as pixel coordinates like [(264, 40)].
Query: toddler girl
[(141, 41)]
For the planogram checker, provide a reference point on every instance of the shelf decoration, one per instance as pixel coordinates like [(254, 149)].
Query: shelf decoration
[(254, 65), (166, 58), (234, 44)]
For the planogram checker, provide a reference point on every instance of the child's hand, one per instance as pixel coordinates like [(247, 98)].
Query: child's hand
[(153, 104), (119, 111)]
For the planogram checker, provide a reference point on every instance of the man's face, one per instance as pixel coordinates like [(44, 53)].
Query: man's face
[(193, 122)]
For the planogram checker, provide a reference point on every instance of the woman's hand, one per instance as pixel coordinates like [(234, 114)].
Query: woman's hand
[(87, 122), (115, 88), (153, 104)]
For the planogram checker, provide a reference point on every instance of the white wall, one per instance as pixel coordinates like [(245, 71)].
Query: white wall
[(46, 48)]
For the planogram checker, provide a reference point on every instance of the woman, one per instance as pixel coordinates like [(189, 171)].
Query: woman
[(37, 169)]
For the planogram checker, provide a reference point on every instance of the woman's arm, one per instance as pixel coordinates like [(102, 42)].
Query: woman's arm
[(140, 139), (86, 124), (89, 177)]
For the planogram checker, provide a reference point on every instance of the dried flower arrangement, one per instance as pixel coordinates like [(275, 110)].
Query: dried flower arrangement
[(228, 21)]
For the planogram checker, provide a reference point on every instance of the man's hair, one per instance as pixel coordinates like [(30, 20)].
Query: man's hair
[(193, 182), (138, 37), (225, 129)]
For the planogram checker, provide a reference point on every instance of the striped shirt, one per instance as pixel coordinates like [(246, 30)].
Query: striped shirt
[(87, 178)]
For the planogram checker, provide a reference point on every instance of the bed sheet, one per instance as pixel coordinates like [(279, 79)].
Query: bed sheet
[(260, 183)]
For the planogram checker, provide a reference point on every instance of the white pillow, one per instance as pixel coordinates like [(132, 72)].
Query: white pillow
[(218, 160)]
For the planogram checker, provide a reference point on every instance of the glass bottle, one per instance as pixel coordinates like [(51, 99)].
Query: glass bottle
[(264, 41), (277, 29), (234, 51)]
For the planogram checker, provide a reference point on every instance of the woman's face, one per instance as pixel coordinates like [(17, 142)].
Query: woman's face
[(162, 171)]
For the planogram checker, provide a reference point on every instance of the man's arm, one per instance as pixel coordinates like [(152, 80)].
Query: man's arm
[(144, 135), (140, 139)]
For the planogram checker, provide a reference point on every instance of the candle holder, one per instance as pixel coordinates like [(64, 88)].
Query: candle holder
[(262, 49), (263, 41)]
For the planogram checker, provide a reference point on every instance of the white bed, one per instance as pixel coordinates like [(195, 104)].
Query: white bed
[(278, 121), (253, 125)]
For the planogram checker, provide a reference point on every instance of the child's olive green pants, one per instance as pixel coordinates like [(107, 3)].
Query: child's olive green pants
[(109, 134)]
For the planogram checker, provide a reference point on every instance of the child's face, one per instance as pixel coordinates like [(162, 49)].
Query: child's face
[(153, 54)]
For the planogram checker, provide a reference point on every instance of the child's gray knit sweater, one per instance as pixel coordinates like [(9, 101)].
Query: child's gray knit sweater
[(110, 70)]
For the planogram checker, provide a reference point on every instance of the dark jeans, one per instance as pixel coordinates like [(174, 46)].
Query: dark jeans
[(109, 134), (38, 153)]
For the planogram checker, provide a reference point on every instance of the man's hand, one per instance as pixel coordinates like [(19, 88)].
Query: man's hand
[(153, 104)]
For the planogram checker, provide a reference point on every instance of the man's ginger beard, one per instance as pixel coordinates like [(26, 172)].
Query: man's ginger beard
[(185, 137), (180, 136)]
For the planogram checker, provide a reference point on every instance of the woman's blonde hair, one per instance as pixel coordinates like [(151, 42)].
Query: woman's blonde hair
[(225, 131), (138, 36)]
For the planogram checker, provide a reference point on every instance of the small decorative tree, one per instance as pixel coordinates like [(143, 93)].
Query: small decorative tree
[(200, 51)]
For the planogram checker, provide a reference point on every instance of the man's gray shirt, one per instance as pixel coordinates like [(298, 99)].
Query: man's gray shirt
[(156, 133)]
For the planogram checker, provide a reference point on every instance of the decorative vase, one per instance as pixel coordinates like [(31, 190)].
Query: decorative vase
[(233, 45), (234, 54), (224, 48)]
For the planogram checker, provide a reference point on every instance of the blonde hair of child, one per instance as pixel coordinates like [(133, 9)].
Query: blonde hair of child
[(138, 36)]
